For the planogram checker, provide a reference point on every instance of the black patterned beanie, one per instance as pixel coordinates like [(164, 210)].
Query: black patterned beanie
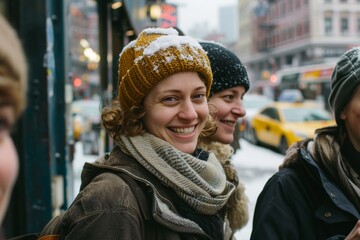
[(345, 78), (228, 71)]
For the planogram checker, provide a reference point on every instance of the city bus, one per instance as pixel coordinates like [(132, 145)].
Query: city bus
[(313, 80)]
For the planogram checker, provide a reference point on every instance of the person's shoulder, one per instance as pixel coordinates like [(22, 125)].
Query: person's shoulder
[(105, 186), (286, 177), (107, 191)]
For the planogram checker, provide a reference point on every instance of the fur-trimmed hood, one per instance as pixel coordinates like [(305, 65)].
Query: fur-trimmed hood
[(292, 154)]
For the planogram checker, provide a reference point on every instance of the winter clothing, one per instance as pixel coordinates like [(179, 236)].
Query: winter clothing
[(155, 55), (148, 189), (345, 77), (185, 174), (228, 71), (108, 207), (304, 200), (237, 205), (13, 70)]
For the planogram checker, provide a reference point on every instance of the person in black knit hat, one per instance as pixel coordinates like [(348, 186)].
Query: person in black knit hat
[(228, 71), (316, 192), (230, 83)]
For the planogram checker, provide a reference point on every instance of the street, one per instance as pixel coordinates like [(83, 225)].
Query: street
[(254, 164)]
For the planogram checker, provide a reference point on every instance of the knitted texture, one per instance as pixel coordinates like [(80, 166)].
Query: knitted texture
[(155, 55), (237, 205), (201, 184), (228, 70), (13, 68), (345, 77)]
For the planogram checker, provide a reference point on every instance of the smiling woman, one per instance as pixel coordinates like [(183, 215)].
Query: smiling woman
[(177, 110), (155, 183)]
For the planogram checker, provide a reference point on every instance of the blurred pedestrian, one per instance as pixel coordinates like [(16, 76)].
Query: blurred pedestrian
[(230, 83), (13, 82), (156, 183), (316, 193)]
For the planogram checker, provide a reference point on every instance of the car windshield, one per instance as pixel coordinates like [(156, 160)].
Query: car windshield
[(305, 114)]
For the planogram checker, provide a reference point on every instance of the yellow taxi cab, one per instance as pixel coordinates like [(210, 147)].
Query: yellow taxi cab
[(281, 124), (86, 116)]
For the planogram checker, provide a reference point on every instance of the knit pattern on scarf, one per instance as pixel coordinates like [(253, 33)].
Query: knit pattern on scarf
[(237, 206), (327, 153), (201, 184)]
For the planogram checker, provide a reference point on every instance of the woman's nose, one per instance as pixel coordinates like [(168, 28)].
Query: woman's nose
[(239, 109), (188, 110)]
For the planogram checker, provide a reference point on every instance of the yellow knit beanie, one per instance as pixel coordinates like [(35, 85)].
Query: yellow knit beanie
[(155, 55)]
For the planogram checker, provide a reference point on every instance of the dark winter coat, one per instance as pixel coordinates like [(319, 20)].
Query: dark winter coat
[(301, 202), (120, 199)]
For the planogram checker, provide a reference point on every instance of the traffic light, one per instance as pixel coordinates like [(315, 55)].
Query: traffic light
[(77, 82)]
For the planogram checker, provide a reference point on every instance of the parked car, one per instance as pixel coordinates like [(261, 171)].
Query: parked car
[(281, 124), (252, 103), (86, 124)]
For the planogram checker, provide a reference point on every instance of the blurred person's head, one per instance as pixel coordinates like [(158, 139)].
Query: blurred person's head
[(344, 96), (164, 80), (13, 77), (230, 83)]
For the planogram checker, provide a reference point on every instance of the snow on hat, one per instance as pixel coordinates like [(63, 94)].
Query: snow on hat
[(13, 68), (156, 54), (228, 71), (345, 77)]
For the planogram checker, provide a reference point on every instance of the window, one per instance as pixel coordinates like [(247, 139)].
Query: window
[(358, 25), (271, 113), (344, 25), (328, 25)]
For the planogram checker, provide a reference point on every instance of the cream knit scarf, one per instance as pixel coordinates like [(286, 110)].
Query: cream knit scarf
[(201, 184)]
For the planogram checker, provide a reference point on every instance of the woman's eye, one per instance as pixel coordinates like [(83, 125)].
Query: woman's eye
[(199, 96), (169, 99), (228, 97)]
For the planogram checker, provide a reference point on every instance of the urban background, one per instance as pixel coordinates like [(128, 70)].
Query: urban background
[(72, 48)]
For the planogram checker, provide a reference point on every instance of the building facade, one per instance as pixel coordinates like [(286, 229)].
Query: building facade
[(291, 33)]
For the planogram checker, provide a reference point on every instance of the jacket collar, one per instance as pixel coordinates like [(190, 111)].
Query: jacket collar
[(332, 190)]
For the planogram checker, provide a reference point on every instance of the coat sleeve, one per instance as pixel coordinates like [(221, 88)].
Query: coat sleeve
[(105, 209), (282, 210)]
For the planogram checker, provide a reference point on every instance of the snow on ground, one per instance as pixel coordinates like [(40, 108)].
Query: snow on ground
[(255, 165)]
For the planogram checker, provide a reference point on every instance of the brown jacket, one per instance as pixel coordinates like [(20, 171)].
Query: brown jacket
[(119, 199)]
